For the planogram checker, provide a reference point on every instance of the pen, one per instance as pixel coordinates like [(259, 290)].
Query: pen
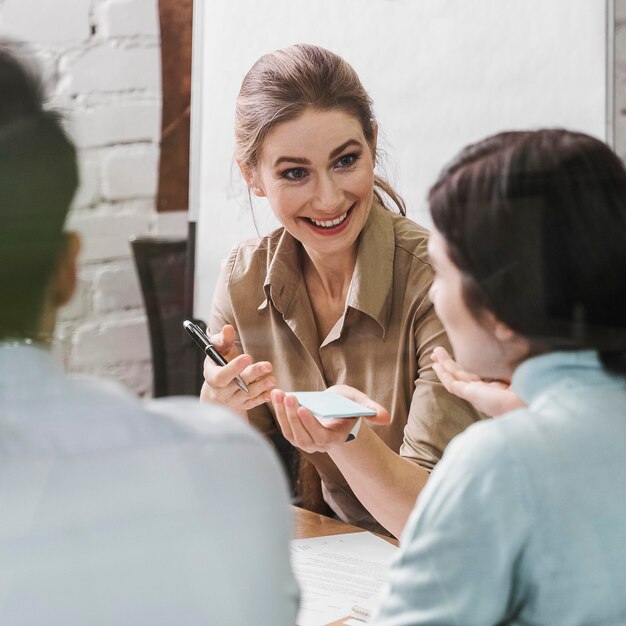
[(198, 335)]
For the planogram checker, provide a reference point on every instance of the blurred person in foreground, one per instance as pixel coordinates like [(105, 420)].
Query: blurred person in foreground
[(113, 512)]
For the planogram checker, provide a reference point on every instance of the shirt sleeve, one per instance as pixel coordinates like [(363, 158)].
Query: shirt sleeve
[(465, 540), (435, 415), (222, 313)]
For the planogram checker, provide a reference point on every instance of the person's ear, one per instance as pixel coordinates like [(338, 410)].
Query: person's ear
[(502, 332), (250, 175), (517, 346), (65, 277), (496, 328)]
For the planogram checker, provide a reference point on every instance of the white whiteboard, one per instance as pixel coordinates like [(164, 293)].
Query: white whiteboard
[(441, 73)]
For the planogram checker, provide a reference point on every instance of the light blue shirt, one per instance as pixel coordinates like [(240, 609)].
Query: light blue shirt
[(113, 514), (524, 519)]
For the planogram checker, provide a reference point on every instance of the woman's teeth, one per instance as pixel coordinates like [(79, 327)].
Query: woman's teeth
[(330, 223)]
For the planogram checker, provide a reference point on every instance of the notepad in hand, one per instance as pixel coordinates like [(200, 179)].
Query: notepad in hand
[(327, 404)]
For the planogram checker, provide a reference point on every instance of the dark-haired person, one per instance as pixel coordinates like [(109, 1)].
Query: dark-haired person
[(111, 513), (524, 519)]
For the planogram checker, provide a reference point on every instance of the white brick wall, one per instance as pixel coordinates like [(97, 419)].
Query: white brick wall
[(121, 339), (116, 288), (131, 172), (101, 59), (127, 18), (47, 22), (109, 67), (105, 233)]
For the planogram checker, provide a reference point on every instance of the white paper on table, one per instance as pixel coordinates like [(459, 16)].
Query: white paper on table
[(337, 572)]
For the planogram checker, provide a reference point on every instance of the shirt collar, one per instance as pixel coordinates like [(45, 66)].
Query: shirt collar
[(538, 374), (373, 273), (21, 361), (284, 273)]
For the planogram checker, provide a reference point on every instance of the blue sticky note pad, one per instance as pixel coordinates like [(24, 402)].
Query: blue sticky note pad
[(329, 404)]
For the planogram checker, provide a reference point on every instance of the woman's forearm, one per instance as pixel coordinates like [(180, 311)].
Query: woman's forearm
[(386, 484)]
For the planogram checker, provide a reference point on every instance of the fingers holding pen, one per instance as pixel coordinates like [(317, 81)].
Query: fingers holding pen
[(260, 381), (226, 342), (220, 385)]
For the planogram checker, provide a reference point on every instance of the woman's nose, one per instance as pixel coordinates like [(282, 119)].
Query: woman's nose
[(327, 195)]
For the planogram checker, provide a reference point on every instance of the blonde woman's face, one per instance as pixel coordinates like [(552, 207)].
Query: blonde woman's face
[(317, 172)]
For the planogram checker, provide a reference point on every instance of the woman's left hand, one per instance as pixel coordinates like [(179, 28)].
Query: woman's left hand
[(302, 429), (492, 397)]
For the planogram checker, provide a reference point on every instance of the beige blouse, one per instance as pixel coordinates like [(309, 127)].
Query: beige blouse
[(381, 344)]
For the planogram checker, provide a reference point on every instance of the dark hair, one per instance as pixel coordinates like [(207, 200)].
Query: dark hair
[(536, 222), (38, 178), (283, 84)]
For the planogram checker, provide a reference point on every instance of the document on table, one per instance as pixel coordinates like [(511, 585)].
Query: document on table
[(337, 572)]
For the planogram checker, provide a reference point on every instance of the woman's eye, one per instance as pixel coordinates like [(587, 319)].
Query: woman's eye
[(295, 173), (347, 160)]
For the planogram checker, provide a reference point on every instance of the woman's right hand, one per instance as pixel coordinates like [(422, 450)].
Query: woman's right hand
[(219, 382)]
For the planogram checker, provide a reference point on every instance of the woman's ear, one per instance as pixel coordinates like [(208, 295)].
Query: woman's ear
[(64, 280), (516, 346), (251, 177), (502, 332)]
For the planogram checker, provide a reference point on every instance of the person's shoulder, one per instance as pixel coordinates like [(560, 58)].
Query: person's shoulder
[(411, 262), (256, 248), (411, 239), (124, 421), (224, 442), (482, 468), (252, 256), (488, 446), (206, 422), (89, 415)]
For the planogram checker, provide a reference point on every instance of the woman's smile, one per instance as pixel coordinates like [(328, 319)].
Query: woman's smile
[(331, 226)]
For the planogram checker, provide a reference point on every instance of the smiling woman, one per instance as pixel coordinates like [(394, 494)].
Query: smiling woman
[(339, 293)]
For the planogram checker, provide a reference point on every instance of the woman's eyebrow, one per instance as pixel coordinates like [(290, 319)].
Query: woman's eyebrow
[(343, 146), (288, 159)]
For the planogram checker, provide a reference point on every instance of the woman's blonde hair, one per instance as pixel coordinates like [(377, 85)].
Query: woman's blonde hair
[(282, 84)]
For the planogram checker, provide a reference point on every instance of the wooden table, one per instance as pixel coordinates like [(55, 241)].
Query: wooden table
[(307, 524)]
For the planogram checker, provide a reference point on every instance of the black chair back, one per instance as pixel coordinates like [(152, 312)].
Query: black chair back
[(177, 362)]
